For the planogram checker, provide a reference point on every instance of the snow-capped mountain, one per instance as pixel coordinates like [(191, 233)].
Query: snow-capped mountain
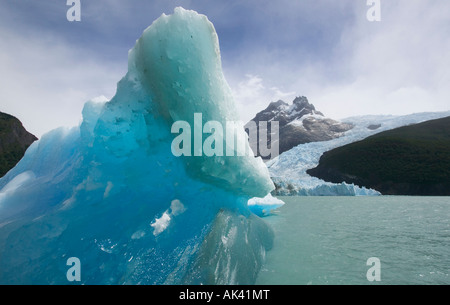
[(288, 170), (299, 123)]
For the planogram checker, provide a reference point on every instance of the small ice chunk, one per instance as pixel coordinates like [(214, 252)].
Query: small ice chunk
[(177, 207), (160, 224), (264, 206)]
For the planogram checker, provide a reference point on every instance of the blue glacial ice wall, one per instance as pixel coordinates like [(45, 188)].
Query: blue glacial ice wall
[(111, 193)]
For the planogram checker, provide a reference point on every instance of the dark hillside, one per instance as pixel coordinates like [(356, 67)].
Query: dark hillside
[(14, 141), (411, 160)]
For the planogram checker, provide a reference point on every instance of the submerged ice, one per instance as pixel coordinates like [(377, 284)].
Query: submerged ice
[(111, 193)]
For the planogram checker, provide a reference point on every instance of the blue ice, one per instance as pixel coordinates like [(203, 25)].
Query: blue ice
[(110, 192)]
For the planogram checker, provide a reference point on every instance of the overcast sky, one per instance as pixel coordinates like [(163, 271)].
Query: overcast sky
[(326, 50)]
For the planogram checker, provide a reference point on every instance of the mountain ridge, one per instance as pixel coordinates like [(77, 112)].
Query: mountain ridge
[(299, 123), (14, 141)]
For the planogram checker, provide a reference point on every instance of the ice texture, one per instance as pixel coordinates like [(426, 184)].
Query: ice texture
[(288, 170), (264, 206), (111, 193)]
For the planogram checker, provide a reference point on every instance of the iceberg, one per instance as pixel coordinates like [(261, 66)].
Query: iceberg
[(111, 193), (265, 206)]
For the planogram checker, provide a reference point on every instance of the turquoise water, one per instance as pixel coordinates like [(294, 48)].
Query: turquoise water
[(328, 240)]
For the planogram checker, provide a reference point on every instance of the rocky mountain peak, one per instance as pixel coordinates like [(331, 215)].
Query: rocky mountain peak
[(302, 102), (300, 123), (277, 105), (301, 107), (284, 113)]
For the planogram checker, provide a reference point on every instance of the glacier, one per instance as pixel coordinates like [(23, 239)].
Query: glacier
[(110, 192), (288, 170)]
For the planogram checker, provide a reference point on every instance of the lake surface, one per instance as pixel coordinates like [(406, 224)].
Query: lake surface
[(328, 240)]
